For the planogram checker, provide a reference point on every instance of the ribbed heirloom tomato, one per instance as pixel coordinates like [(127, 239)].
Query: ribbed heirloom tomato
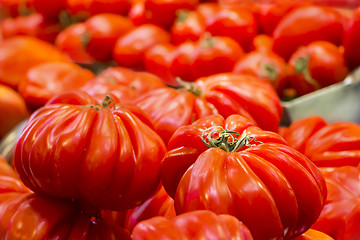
[(103, 155), (249, 173)]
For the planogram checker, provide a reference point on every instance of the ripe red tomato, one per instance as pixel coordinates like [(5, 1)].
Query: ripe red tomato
[(102, 31), (196, 225), (265, 65), (37, 217), (160, 204), (303, 25), (351, 43), (34, 25), (119, 7), (312, 234), (189, 25), (44, 81), (247, 172), (340, 216), (124, 83), (9, 180), (13, 109), (71, 42), (19, 54), (270, 14), (317, 65), (327, 145), (103, 155), (158, 59), (159, 12), (262, 42), (241, 26), (50, 11), (130, 48), (226, 94)]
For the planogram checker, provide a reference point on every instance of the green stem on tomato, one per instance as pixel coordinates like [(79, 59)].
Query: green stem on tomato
[(189, 86), (227, 140), (302, 66)]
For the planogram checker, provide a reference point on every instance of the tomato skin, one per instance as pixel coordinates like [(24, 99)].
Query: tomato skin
[(102, 31), (326, 144), (50, 11), (20, 53), (124, 83), (268, 169), (130, 48), (317, 65), (108, 137), (33, 25), (312, 234), (302, 26), (46, 80), (13, 109), (339, 218), (159, 204), (189, 25), (215, 55), (242, 26), (119, 7), (262, 42), (265, 65), (225, 94), (42, 217), (270, 14), (158, 59), (70, 42), (350, 43), (9, 180), (202, 224)]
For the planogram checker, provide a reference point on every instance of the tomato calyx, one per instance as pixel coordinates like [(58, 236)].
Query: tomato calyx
[(108, 103), (188, 86), (302, 66), (208, 41), (182, 15), (268, 70), (227, 140)]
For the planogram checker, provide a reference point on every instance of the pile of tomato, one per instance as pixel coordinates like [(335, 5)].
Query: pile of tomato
[(160, 119)]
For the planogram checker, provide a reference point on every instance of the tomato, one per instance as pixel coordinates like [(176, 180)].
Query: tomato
[(130, 48), (159, 204), (246, 172), (189, 25), (270, 14), (79, 8), (50, 11), (182, 59), (71, 42), (262, 42), (158, 59), (226, 94), (41, 217), (13, 109), (124, 83), (19, 54), (102, 31), (265, 65), (340, 216), (312, 234), (14, 8), (46, 80), (317, 65), (214, 55), (9, 180), (327, 145), (350, 43), (102, 155), (32, 25), (159, 12), (303, 25), (241, 26), (202, 224), (119, 7)]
